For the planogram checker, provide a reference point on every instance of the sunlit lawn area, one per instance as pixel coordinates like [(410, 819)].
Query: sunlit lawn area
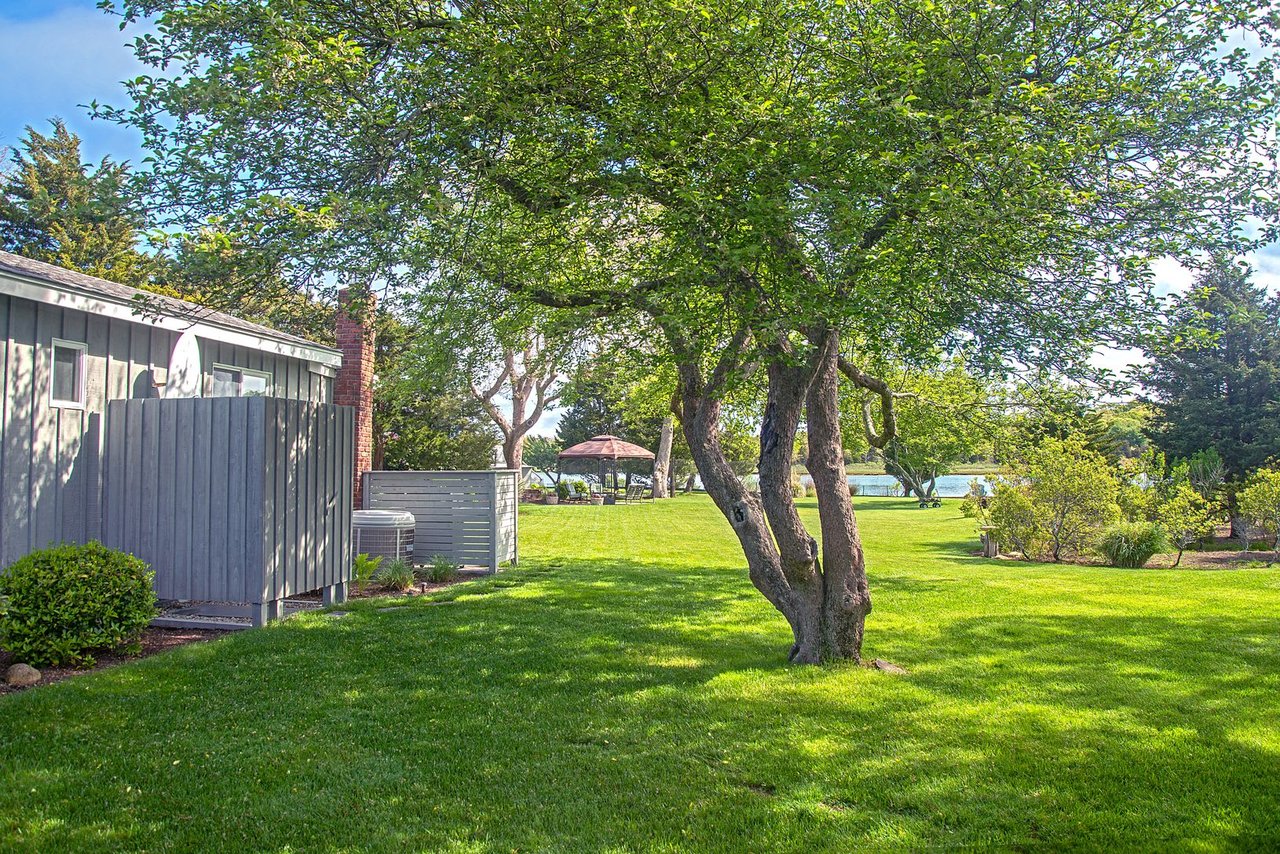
[(625, 690)]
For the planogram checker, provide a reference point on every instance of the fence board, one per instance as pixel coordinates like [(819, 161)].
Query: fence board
[(235, 494), (465, 516)]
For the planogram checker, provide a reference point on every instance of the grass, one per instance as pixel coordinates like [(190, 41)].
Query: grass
[(624, 690)]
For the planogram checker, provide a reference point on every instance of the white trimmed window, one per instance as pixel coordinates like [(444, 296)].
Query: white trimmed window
[(66, 373), (239, 382)]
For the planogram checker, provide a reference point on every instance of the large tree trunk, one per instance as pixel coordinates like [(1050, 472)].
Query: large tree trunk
[(513, 451), (845, 600), (826, 602), (797, 549), (662, 463), (512, 435)]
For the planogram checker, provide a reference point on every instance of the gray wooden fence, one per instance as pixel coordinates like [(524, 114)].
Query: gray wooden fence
[(240, 500), (468, 516)]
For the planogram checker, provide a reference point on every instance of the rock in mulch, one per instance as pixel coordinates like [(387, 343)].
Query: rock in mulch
[(888, 667), (21, 675)]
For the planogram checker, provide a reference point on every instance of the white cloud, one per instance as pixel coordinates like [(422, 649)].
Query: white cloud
[(1171, 277)]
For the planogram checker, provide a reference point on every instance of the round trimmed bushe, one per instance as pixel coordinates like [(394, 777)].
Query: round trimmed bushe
[(64, 603)]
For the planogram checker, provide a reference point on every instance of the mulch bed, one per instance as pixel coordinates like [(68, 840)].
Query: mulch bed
[(372, 590), (153, 640), (1191, 559)]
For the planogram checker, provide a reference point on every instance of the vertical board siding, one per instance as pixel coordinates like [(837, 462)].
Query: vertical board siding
[(207, 491), (19, 391), (51, 457), (468, 516), (43, 484)]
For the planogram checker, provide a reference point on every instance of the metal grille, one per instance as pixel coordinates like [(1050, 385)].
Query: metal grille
[(390, 543)]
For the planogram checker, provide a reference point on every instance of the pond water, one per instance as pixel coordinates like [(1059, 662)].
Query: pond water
[(948, 486)]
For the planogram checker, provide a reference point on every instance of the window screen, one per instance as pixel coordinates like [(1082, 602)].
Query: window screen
[(226, 382), (68, 373), (237, 382), (254, 384)]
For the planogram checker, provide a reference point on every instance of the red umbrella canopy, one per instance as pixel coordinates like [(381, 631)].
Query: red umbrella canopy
[(605, 448)]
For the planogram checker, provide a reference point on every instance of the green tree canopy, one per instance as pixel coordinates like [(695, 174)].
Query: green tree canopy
[(58, 209), (423, 419), (768, 183), (944, 417), (1214, 375)]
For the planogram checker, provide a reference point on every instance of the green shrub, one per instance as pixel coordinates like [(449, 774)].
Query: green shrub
[(1013, 517), (1259, 503), (1131, 544), (797, 489), (438, 569), (64, 603), (364, 568), (396, 575)]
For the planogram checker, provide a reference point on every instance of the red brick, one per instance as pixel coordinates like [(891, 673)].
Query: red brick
[(354, 383)]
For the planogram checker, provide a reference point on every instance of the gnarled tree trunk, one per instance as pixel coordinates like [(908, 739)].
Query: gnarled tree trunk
[(824, 599), (845, 598)]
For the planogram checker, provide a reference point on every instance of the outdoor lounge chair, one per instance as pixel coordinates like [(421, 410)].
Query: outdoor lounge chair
[(636, 492), (575, 496)]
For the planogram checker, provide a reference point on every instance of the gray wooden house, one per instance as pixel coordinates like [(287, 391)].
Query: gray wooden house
[(76, 346)]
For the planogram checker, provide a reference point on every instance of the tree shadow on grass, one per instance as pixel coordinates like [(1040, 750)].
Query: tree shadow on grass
[(594, 705)]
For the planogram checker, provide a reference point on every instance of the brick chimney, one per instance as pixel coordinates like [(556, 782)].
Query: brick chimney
[(354, 384)]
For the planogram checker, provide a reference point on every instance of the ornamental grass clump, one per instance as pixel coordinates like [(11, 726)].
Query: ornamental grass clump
[(1131, 544), (439, 569), (62, 604), (395, 575)]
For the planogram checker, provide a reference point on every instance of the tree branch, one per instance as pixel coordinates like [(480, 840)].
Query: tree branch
[(887, 413)]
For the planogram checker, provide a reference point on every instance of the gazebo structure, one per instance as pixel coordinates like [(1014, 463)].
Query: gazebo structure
[(606, 449)]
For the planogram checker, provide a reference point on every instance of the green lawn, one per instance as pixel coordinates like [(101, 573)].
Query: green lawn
[(625, 690)]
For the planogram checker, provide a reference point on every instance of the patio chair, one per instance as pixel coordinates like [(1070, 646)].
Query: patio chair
[(635, 492), (575, 495)]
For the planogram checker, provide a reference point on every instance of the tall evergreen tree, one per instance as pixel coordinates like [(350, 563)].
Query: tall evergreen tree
[(1214, 376), (591, 411), (55, 208)]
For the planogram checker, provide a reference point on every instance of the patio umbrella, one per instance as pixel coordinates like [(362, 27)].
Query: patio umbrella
[(604, 448)]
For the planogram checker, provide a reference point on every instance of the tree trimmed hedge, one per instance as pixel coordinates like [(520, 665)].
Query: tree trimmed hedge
[(62, 604)]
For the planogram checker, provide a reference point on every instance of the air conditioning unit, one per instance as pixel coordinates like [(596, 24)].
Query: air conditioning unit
[(388, 533)]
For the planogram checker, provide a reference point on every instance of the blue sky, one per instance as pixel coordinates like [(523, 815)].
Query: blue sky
[(56, 55)]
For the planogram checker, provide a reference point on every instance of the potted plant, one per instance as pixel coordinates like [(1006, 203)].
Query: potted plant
[(551, 496)]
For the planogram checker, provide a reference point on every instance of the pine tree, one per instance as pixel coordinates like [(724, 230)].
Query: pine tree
[(1214, 377), (55, 208)]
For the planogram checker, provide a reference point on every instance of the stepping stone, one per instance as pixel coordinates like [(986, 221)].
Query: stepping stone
[(888, 667)]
